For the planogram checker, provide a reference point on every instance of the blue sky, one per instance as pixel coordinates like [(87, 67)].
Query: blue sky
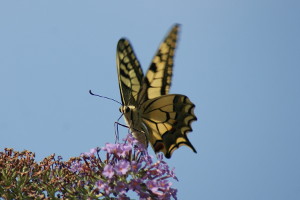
[(238, 61)]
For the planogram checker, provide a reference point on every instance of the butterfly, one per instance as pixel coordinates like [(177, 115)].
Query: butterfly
[(153, 115)]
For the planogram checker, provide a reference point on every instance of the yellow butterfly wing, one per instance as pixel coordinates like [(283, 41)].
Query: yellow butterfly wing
[(130, 73), (168, 119), (130, 76), (158, 78)]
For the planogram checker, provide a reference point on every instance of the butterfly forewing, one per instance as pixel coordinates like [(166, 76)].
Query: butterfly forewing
[(157, 81), (130, 73)]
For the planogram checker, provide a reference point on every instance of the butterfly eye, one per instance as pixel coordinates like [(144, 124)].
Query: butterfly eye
[(124, 109)]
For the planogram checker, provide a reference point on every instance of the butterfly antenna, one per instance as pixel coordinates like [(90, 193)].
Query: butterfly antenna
[(90, 91)]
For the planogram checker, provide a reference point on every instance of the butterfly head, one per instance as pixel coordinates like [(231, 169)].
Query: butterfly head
[(125, 109)]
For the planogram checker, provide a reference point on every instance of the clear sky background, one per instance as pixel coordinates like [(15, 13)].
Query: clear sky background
[(238, 61)]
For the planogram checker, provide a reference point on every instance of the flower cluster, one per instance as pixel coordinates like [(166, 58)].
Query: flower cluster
[(115, 171), (128, 167)]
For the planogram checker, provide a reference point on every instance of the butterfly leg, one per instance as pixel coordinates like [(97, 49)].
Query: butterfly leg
[(116, 127), (117, 124)]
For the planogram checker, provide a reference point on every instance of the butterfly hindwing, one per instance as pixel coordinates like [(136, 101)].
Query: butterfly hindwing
[(168, 119)]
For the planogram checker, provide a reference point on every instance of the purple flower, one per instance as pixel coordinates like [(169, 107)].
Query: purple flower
[(164, 184), (130, 139), (108, 171), (110, 148), (161, 188), (120, 187), (91, 153), (125, 149), (120, 150), (135, 166), (134, 142), (135, 184), (93, 150), (153, 173), (101, 185), (153, 186), (76, 167), (147, 158), (122, 167), (161, 167)]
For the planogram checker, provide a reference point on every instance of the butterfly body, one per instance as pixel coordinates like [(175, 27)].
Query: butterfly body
[(153, 115), (136, 126)]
